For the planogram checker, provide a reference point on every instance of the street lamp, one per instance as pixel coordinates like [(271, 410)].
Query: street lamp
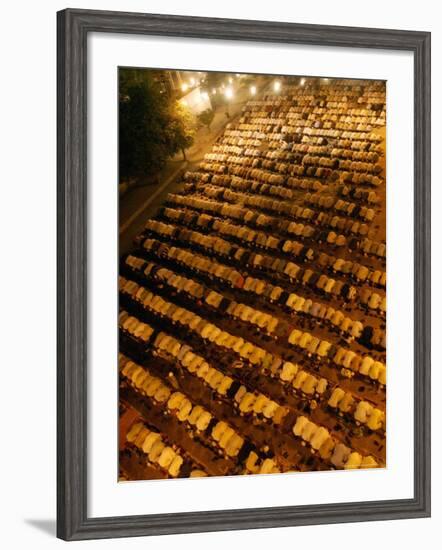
[(277, 86)]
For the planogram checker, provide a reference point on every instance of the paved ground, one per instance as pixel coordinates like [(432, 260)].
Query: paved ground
[(138, 204), (141, 203)]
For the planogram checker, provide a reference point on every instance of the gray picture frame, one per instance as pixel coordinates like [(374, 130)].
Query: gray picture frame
[(73, 27)]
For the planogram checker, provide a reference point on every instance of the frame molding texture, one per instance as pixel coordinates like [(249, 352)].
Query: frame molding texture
[(72, 28)]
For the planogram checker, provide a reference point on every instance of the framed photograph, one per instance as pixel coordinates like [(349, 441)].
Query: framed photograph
[(243, 272)]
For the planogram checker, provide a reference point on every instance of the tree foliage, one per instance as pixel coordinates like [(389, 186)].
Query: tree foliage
[(152, 125), (206, 117), (184, 126), (214, 81)]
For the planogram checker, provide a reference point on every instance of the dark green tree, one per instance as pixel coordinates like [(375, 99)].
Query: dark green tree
[(151, 126), (183, 128), (206, 118), (214, 81)]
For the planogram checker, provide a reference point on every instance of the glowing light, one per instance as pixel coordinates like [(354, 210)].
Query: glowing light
[(277, 85), (230, 80), (302, 81), (253, 90), (192, 81), (229, 93), (184, 102), (214, 91), (184, 87), (205, 95)]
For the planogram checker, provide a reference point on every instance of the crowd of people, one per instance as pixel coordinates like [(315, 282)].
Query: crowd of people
[(253, 305)]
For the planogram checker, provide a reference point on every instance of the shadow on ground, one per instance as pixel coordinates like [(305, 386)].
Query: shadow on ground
[(47, 526)]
